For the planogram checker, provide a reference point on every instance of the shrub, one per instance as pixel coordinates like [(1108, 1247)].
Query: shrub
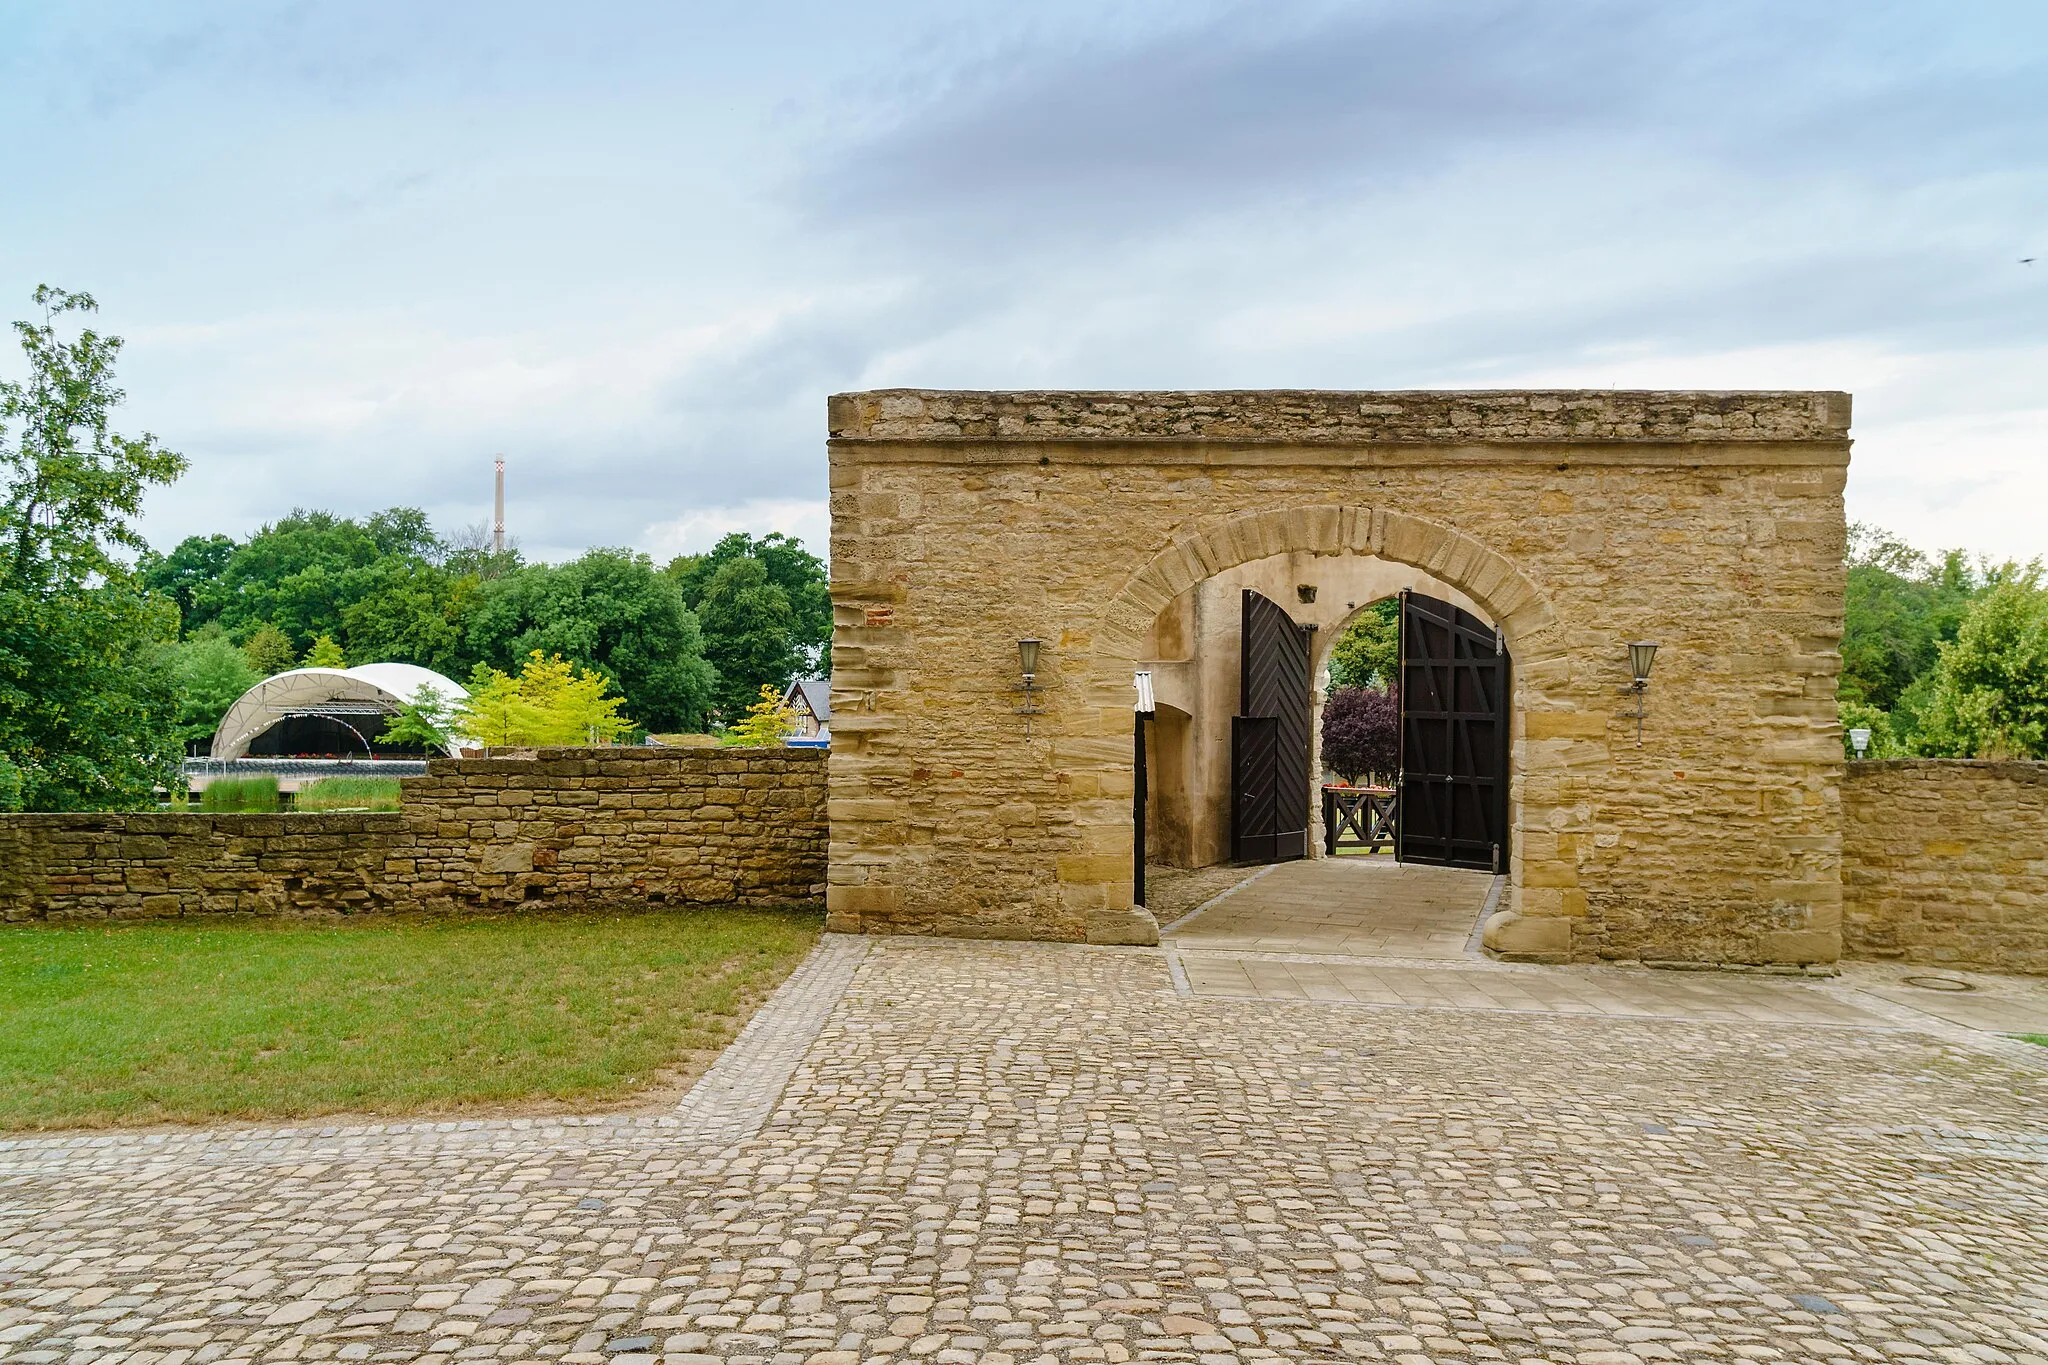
[(767, 721), (1990, 693), (350, 793), (258, 794), (1362, 733), (1884, 737)]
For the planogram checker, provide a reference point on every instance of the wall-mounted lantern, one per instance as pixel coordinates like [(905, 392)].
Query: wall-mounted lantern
[(1641, 654), (1859, 739), (1027, 664)]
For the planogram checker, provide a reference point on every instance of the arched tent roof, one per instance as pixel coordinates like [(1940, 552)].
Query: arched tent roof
[(369, 689)]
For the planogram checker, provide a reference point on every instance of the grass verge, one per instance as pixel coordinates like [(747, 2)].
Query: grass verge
[(192, 1021), (258, 794), (349, 793)]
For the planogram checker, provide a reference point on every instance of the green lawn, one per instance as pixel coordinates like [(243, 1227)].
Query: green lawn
[(188, 1021)]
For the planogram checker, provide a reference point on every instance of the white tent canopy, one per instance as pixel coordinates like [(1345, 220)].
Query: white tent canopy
[(372, 690)]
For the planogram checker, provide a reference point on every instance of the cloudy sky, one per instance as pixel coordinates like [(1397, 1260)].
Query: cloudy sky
[(359, 248)]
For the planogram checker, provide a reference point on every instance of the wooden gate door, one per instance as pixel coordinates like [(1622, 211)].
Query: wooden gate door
[(1270, 737), (1454, 738)]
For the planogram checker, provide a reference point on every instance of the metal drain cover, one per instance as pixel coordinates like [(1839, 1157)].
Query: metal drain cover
[(1939, 983)]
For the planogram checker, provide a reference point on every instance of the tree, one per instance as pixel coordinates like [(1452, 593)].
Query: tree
[(1898, 606), (470, 552), (411, 612), (749, 633), (1362, 733), (324, 654), (496, 713), (550, 702), (185, 574), (1989, 697), (610, 611), (799, 573), (427, 721), (1367, 654), (405, 533), (88, 699), (269, 651), (308, 573), (212, 675), (767, 721), (88, 702), (579, 705)]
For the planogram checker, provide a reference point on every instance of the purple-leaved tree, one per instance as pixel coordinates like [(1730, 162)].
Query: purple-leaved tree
[(1362, 733)]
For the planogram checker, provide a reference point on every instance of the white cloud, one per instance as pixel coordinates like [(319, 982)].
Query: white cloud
[(697, 531)]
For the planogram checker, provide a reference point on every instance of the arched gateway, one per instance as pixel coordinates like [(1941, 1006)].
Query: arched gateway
[(1577, 522)]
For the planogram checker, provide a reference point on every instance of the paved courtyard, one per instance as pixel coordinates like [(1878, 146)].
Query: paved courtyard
[(955, 1152)]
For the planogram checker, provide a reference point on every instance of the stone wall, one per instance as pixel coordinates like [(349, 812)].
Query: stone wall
[(564, 827), (1578, 521), (1946, 861)]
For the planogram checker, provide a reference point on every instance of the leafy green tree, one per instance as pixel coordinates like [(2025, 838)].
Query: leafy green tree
[(405, 533), (212, 675), (610, 611), (427, 720), (186, 573), (308, 573), (1898, 606), (411, 612), (1989, 697), (269, 651), (88, 702), (1368, 653), (324, 653), (789, 566), (749, 633), (10, 784)]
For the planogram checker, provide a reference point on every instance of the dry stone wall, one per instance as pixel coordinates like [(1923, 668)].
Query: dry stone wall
[(1712, 522), (561, 827), (1946, 861)]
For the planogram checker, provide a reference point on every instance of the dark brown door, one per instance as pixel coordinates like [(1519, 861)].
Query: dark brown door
[(1454, 738), (1270, 737)]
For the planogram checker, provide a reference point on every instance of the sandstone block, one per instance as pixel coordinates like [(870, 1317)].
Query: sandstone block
[(1526, 937)]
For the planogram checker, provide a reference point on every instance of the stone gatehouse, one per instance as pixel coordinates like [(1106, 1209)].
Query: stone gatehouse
[(1575, 522)]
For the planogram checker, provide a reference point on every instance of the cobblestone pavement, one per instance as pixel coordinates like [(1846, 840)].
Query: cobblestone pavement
[(1041, 1153)]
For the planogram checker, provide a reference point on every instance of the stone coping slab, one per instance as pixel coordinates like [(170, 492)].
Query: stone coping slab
[(1297, 416)]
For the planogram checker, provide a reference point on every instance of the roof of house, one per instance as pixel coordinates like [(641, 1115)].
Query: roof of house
[(815, 694)]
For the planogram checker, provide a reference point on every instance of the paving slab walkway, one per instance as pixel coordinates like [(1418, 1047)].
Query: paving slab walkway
[(1359, 907), (1006, 1153)]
